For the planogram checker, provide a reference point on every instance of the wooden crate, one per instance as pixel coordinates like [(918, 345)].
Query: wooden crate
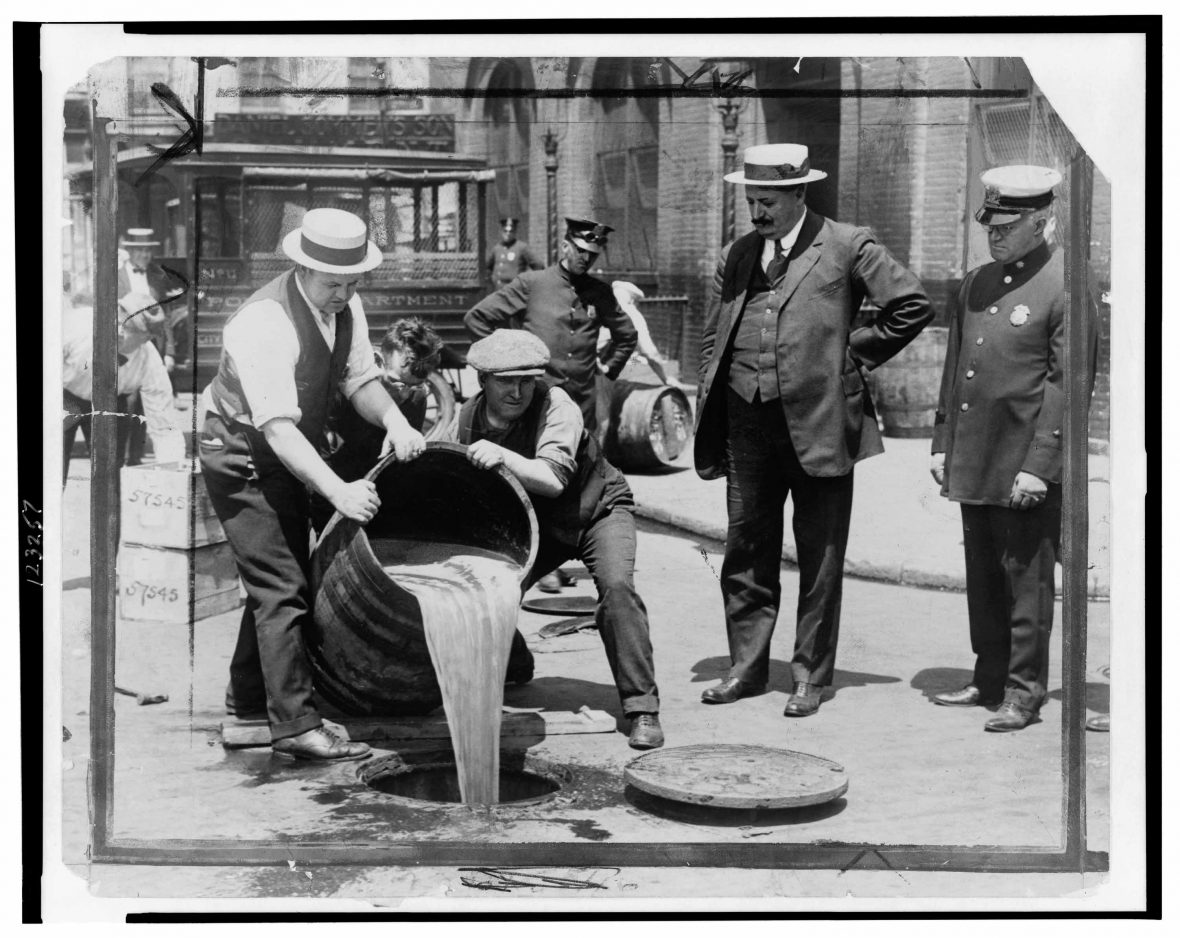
[(160, 584), (166, 505)]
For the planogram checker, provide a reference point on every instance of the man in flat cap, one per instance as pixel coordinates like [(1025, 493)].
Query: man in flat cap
[(783, 409), (997, 443), (509, 258), (584, 506), (285, 353), (565, 307)]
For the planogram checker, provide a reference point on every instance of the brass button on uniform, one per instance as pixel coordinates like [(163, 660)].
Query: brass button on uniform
[(994, 310), (963, 406), (1007, 280), (971, 373), (979, 341)]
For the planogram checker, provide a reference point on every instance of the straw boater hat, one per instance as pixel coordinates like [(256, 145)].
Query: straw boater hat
[(509, 352), (333, 241), (776, 164), (1011, 192), (139, 238)]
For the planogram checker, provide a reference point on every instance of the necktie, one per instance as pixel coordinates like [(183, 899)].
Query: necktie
[(778, 264)]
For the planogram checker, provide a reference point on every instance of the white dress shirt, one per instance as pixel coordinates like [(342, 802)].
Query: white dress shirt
[(787, 241), (264, 346)]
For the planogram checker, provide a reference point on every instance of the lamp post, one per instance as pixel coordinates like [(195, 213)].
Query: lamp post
[(550, 143), (730, 107)]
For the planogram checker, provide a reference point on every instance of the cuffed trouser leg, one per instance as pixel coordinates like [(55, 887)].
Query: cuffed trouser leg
[(266, 523), (608, 550)]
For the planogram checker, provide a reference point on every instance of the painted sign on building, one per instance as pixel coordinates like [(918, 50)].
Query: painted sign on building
[(431, 132)]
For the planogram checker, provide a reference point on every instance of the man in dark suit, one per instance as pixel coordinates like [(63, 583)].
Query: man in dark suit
[(783, 409), (997, 443)]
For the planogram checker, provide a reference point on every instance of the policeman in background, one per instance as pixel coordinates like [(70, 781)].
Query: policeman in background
[(510, 257), (997, 443)]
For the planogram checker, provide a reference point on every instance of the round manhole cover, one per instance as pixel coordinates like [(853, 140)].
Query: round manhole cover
[(734, 776)]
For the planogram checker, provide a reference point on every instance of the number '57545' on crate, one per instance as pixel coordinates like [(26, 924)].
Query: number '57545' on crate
[(166, 505)]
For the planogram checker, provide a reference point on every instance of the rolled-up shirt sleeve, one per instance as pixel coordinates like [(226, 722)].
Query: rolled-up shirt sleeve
[(264, 348), (362, 365), (558, 435)]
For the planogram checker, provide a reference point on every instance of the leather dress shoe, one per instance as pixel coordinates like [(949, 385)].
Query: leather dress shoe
[(804, 701), (1009, 718), (565, 577), (320, 745), (731, 689), (646, 732), (969, 696), (1099, 723), (549, 583)]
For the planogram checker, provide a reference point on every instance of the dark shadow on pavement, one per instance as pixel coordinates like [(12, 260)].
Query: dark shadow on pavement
[(931, 681), (843, 679), (1097, 696), (565, 694), (710, 816)]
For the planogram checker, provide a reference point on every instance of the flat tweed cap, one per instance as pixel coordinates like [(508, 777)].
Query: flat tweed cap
[(509, 352)]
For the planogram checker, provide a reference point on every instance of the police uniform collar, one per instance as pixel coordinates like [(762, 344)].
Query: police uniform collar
[(1033, 261)]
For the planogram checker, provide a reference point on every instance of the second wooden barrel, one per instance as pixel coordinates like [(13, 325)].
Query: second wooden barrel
[(366, 643), (650, 425)]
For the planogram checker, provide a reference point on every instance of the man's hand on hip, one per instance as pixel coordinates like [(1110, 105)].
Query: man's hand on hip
[(357, 500), (938, 467), (1028, 491)]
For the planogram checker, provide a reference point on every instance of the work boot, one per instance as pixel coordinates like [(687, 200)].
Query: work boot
[(320, 745), (645, 731), (550, 583)]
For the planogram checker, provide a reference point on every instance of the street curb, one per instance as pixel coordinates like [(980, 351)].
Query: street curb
[(860, 568)]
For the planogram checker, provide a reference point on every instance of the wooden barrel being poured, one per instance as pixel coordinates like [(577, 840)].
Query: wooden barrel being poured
[(368, 647)]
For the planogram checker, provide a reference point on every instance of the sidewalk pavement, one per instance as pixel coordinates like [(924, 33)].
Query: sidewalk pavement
[(903, 531)]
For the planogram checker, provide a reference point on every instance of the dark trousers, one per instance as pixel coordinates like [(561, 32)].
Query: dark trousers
[(762, 470), (265, 517), (78, 411), (1010, 558), (607, 548)]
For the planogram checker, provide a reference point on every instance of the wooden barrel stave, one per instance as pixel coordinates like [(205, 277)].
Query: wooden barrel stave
[(650, 425), (366, 640)]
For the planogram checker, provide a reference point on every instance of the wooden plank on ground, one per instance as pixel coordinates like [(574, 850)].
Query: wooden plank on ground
[(244, 734)]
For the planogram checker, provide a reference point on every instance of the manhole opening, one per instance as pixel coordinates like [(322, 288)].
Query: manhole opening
[(439, 784)]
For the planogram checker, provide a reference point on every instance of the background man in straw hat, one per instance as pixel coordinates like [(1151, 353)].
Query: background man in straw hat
[(584, 506), (783, 408), (140, 275), (510, 258), (140, 372), (284, 354), (997, 443)]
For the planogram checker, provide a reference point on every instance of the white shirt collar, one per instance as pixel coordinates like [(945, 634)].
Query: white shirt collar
[(787, 241)]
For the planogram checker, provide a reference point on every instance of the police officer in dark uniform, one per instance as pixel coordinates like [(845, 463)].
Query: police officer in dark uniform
[(584, 506), (565, 307), (997, 443), (510, 258)]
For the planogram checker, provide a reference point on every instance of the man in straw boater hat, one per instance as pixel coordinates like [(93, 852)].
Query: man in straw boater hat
[(584, 506), (565, 307), (284, 354), (997, 443), (509, 257), (783, 409)]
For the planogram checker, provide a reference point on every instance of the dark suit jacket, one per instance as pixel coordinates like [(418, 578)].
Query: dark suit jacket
[(832, 268)]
